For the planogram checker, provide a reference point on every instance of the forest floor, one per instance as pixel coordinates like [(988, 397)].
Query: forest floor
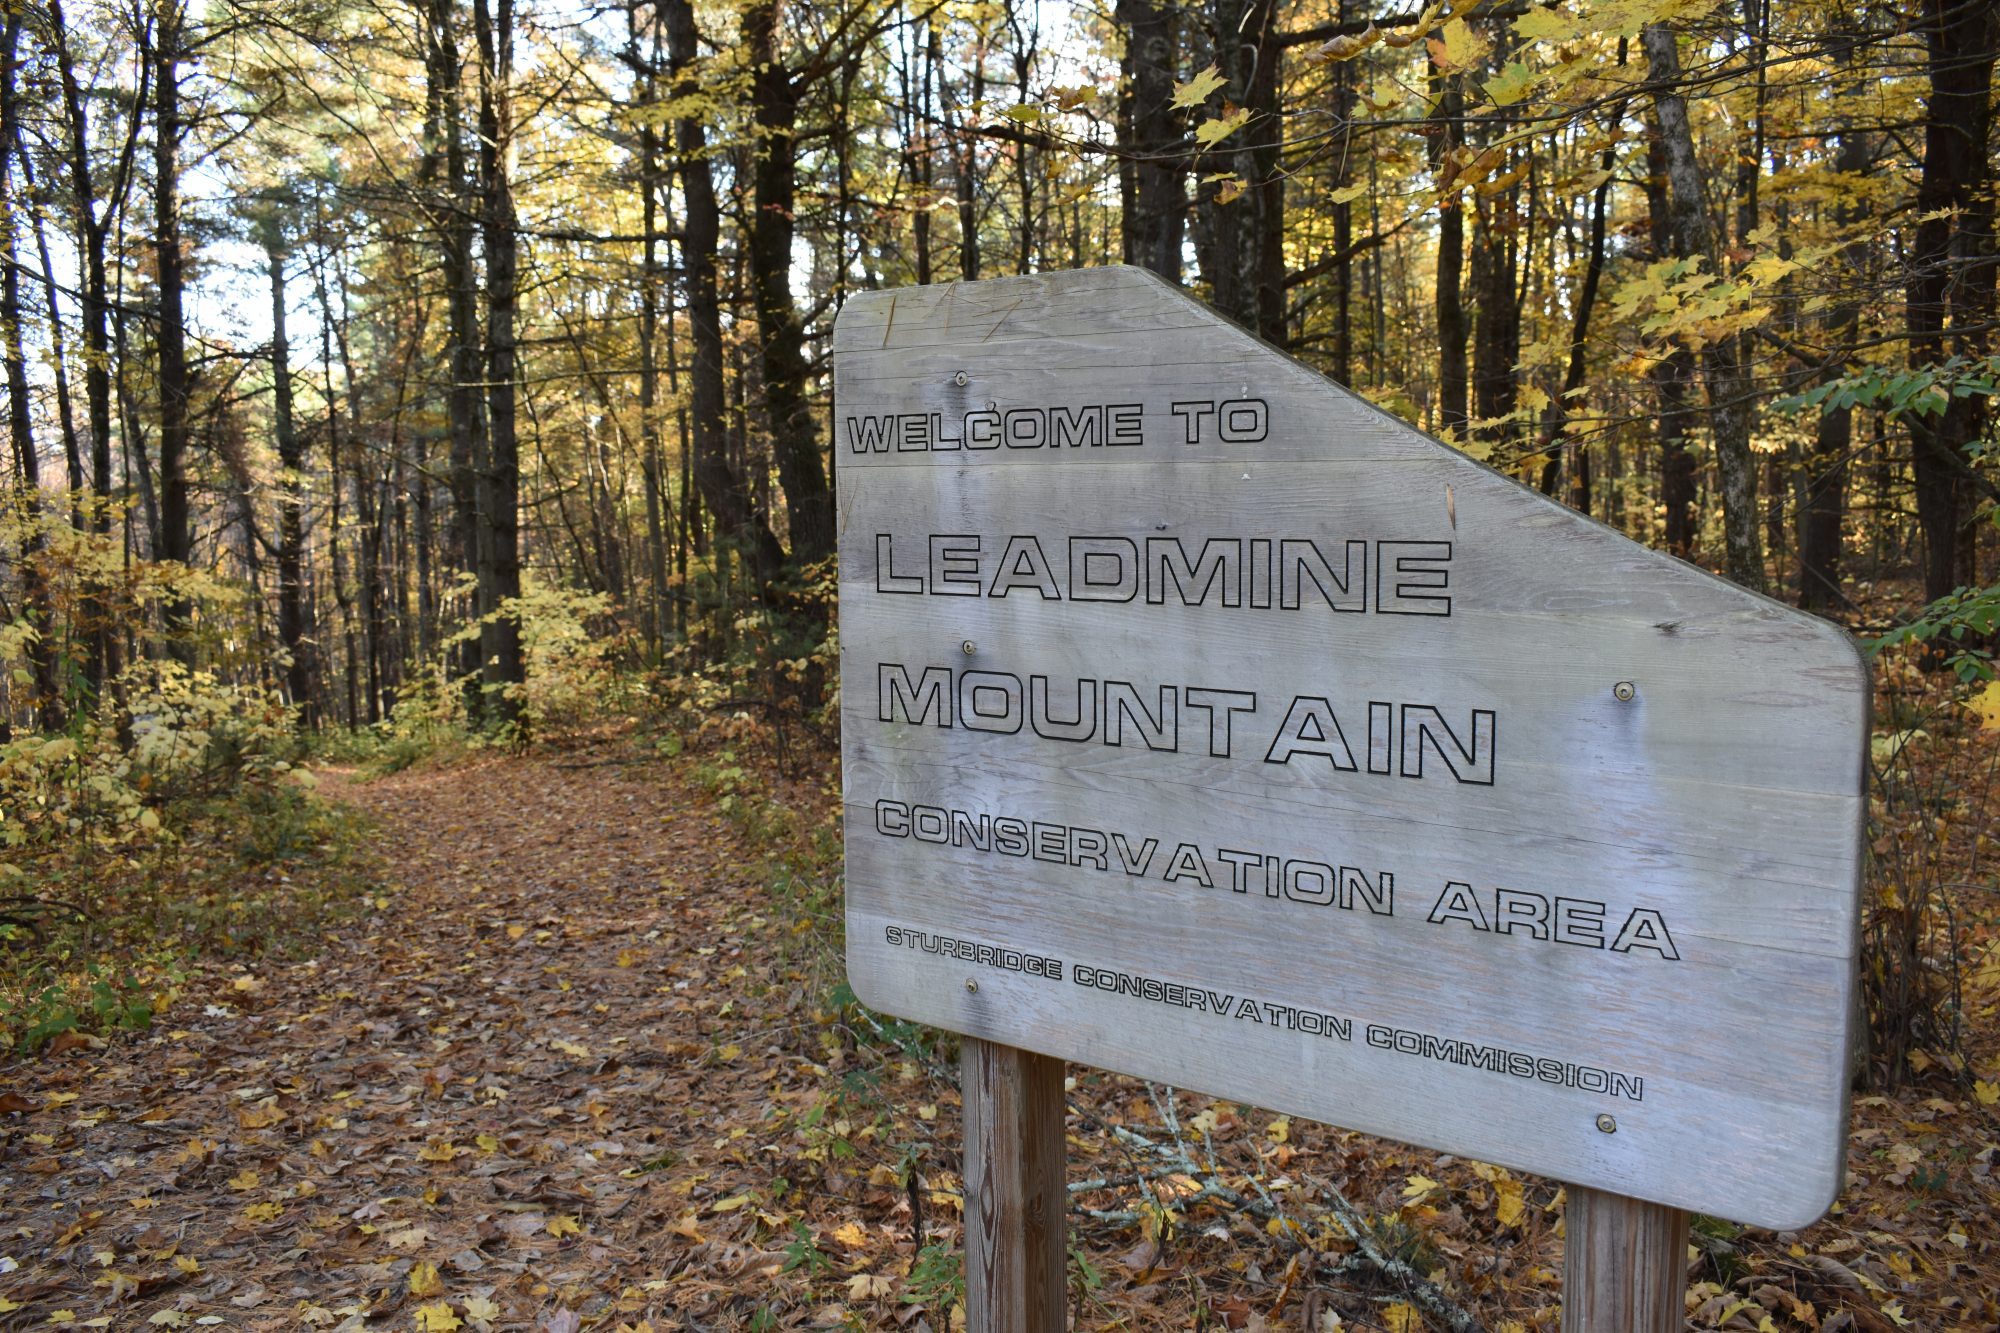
[(583, 1062)]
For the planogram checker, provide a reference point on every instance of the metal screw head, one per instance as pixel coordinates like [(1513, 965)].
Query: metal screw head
[(971, 986), (1624, 691), (961, 379), (969, 647), (1604, 1122)]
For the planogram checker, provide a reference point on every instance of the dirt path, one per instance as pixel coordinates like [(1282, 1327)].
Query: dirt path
[(513, 1093)]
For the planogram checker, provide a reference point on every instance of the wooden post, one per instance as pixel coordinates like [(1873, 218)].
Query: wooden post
[(1624, 1265), (1016, 1256)]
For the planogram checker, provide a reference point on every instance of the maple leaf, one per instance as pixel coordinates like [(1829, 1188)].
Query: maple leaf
[(1459, 48), (437, 1317), (1509, 1205), (1986, 704), (1214, 131), (482, 1311), (171, 1318), (1416, 1187), (424, 1280), (564, 1225), (868, 1287), (1197, 89), (245, 1179)]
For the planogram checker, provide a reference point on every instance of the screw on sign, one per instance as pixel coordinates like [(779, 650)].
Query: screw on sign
[(1204, 723)]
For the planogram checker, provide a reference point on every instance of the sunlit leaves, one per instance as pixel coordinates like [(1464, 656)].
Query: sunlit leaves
[(1197, 90), (1214, 130)]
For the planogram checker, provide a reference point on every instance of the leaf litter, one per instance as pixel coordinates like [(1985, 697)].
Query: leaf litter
[(583, 1067)]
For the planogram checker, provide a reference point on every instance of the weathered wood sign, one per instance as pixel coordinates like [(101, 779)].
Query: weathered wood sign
[(1204, 723)]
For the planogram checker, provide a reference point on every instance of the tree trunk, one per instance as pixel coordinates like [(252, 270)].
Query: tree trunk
[(95, 305), (499, 482), (722, 486), (1833, 439), (795, 440), (1155, 218), (1444, 146), (1950, 297), (170, 335), (292, 627), (463, 417), (38, 608), (1727, 380)]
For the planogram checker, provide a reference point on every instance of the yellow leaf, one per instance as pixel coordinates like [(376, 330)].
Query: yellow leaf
[(437, 1152), (263, 1212), (1416, 1187), (1460, 49), (1986, 703), (424, 1280), (1196, 90), (1512, 84), (437, 1318), (245, 1179), (63, 1317), (1508, 1203), (1212, 132), (730, 1204), (564, 1225), (1544, 25), (1894, 1309), (480, 1310), (1279, 1130), (1987, 1093), (851, 1235), (171, 1318), (1402, 1317), (1347, 194)]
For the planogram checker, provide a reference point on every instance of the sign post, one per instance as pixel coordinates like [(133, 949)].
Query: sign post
[(1204, 723)]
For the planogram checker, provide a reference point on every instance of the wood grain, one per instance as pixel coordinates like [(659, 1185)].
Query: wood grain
[(1016, 1251), (1624, 1265), (1724, 791)]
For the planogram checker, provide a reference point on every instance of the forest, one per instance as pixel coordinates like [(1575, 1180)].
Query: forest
[(418, 520)]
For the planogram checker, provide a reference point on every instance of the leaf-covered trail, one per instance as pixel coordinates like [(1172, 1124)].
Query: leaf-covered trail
[(504, 1095), (574, 1066)]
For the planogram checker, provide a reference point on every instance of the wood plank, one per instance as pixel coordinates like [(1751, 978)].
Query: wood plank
[(1717, 797), (1016, 1232), (1624, 1265)]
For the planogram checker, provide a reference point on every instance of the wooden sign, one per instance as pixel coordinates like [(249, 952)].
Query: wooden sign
[(1202, 722)]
